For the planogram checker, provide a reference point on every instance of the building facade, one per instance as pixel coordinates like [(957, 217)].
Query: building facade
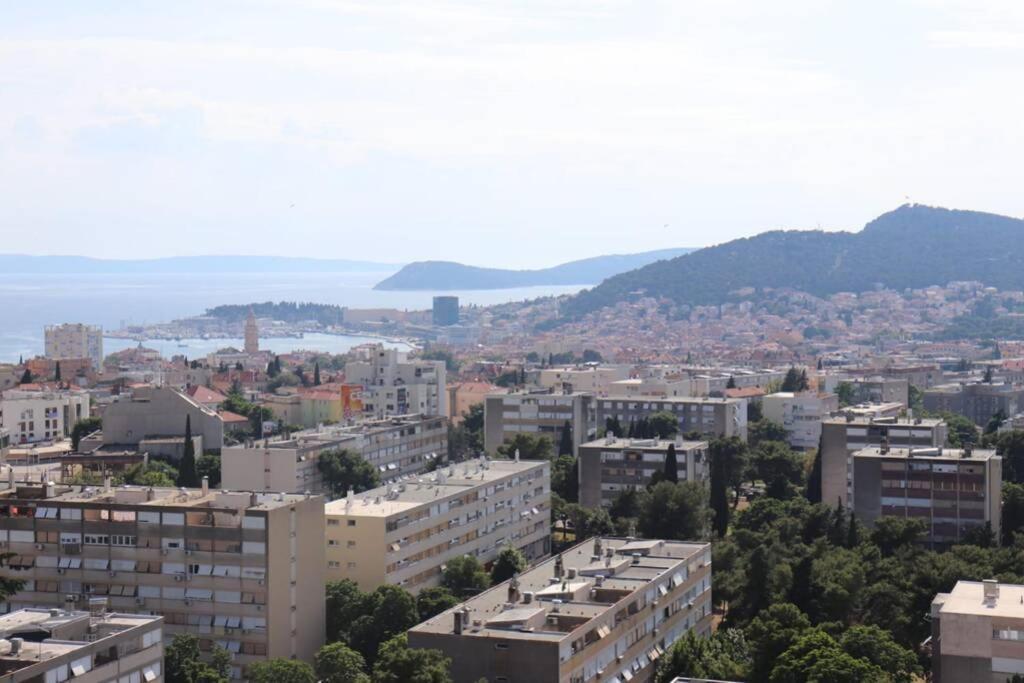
[(605, 610), (53, 645), (160, 412), (611, 465), (952, 491), (445, 311), (40, 416), (706, 416), (844, 434), (252, 334), (394, 385), (594, 379), (540, 414), (220, 565), (800, 414), (977, 401), (405, 534), (74, 340), (978, 633)]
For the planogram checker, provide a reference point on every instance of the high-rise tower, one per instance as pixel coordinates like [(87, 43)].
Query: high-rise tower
[(252, 334)]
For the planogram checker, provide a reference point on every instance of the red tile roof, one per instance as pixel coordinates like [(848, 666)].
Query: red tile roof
[(228, 416), (205, 395)]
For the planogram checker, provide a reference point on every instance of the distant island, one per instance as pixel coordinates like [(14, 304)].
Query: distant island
[(22, 263), (448, 275)]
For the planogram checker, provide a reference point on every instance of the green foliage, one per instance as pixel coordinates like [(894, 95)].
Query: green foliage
[(1010, 445), (892, 534), (816, 656), (782, 470), (565, 478), (209, 466), (509, 561), (432, 601), (875, 645), (565, 439), (338, 663), (671, 464), (153, 473), (530, 447), (365, 620), (398, 663), (465, 576), (722, 656), (962, 431), (845, 393), (466, 439), (281, 670), (188, 477), (1013, 512), (287, 311), (82, 428), (663, 425), (719, 497), (765, 430), (343, 469), (674, 511), (795, 381), (183, 662), (507, 379)]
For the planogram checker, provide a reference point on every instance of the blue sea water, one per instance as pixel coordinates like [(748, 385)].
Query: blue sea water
[(30, 302)]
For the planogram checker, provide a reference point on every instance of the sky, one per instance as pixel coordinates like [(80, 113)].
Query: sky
[(516, 133)]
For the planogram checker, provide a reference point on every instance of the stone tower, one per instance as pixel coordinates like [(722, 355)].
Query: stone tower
[(252, 334)]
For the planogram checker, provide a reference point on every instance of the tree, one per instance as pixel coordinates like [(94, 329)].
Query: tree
[(765, 430), (962, 432), (465, 576), (1010, 445), (731, 384), (771, 633), (281, 670), (844, 391), (816, 656), (343, 469), (565, 441), (82, 428), (995, 422), (56, 372), (509, 561), (892, 533), (316, 374), (719, 499), (987, 379), (812, 492), (791, 382), (208, 466), (26, 377), (674, 511), (183, 662), (338, 663), (671, 464), (876, 645), (398, 663), (723, 655), (612, 427), (1013, 512), (779, 468), (662, 425), (345, 602), (387, 611), (187, 475), (432, 601), (565, 478), (153, 473), (530, 447)]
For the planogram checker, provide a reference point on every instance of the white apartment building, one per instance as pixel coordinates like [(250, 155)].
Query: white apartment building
[(75, 340), (38, 416), (394, 385), (224, 566), (399, 447), (595, 379), (650, 386), (404, 534), (800, 414)]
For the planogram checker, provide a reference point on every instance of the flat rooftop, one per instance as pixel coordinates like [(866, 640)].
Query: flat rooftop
[(862, 420), (45, 494), (336, 434), (430, 488), (657, 445), (670, 399), (932, 454), (968, 598), (591, 586)]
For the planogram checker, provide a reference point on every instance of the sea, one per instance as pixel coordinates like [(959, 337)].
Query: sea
[(29, 302)]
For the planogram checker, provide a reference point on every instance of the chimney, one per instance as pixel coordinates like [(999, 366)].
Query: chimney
[(558, 566), (10, 477), (206, 485), (254, 499), (16, 644), (150, 493), (106, 484), (991, 591)]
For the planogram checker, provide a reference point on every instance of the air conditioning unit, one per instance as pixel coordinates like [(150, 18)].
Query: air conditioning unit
[(261, 582), (178, 577), (60, 570), (40, 546), (113, 573), (259, 608), (163, 551), (188, 552), (140, 601), (188, 602)]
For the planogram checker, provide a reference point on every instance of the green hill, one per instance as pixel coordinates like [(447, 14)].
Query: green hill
[(913, 246)]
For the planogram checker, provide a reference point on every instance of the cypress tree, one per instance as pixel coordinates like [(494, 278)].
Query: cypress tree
[(731, 384), (671, 464), (837, 536), (719, 500), (853, 532), (813, 490), (631, 433), (800, 589), (805, 384), (565, 445), (26, 377), (56, 373), (187, 475), (316, 374)]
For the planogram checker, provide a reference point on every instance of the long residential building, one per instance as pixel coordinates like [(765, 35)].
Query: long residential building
[(224, 566), (74, 340), (541, 414), (977, 401), (953, 491), (37, 416), (978, 633), (54, 645), (604, 610), (707, 416), (611, 465), (394, 385), (161, 413), (845, 433), (404, 534), (399, 447), (800, 414)]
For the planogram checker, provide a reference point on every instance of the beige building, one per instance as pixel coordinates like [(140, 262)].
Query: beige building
[(35, 416), (402, 446), (978, 633), (650, 386), (605, 610), (845, 433), (594, 379), (394, 385), (611, 465), (540, 414), (224, 566), (252, 334), (465, 395), (405, 534), (54, 645), (74, 340), (952, 491), (800, 414), (706, 416), (157, 413)]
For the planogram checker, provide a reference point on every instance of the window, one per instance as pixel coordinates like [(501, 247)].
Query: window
[(351, 522)]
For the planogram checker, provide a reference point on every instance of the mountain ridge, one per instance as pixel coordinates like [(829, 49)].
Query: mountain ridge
[(450, 275), (909, 247), (24, 263)]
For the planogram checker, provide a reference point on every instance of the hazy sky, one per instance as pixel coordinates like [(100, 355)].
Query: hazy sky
[(518, 132)]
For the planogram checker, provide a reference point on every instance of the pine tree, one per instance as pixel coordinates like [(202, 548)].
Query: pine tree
[(837, 536), (853, 532), (316, 374), (565, 445), (26, 377), (671, 464), (820, 365), (187, 475), (731, 384), (805, 384), (56, 373), (800, 589), (630, 434)]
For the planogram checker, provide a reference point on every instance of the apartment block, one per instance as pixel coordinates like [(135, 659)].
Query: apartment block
[(538, 413), (405, 534), (594, 379), (872, 389), (707, 416), (978, 633), (845, 433), (399, 447), (37, 416), (394, 385), (159, 413), (445, 310), (464, 395), (54, 645), (976, 401), (800, 414), (224, 566), (611, 465), (605, 610), (952, 490), (639, 387), (74, 340)]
